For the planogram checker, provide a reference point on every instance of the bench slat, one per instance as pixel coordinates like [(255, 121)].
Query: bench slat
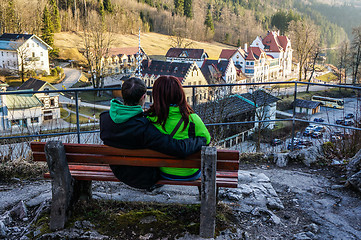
[(87, 176), (139, 161), (222, 154)]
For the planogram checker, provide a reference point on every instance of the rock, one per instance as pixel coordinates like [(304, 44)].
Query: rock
[(274, 219), (146, 236), (19, 211), (355, 181), (304, 236), (354, 164), (3, 229), (6, 218), (83, 225), (148, 219), (281, 159), (308, 155), (312, 228), (24, 238)]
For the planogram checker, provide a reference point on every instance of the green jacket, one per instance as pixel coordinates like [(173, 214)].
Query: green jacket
[(173, 119)]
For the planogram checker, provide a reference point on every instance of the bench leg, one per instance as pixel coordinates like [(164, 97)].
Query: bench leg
[(208, 192), (62, 184)]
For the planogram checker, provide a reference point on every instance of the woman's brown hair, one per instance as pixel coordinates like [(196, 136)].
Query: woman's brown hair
[(167, 91)]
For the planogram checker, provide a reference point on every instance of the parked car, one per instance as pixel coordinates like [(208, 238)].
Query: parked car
[(349, 116), (276, 142), (335, 138), (340, 121), (305, 142), (320, 129), (348, 123), (318, 119), (307, 132), (316, 135), (295, 146)]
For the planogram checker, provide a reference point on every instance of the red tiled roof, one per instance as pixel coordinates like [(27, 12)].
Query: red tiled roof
[(271, 42), (250, 55), (283, 40), (256, 51), (191, 52), (227, 53), (119, 51)]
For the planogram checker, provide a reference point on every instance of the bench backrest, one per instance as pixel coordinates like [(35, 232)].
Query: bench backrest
[(102, 154)]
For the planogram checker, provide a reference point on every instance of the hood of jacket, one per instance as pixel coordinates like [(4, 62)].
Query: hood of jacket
[(120, 113)]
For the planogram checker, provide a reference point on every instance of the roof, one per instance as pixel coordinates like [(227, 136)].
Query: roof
[(32, 83), (7, 38), (158, 68), (21, 101), (227, 53), (185, 53), (126, 51), (224, 108), (211, 71), (307, 104), (257, 51), (260, 97), (250, 55), (283, 40), (271, 42)]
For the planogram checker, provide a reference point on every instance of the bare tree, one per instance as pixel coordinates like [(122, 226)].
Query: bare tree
[(305, 38), (314, 56), (24, 58), (344, 60), (356, 54), (97, 40), (178, 40)]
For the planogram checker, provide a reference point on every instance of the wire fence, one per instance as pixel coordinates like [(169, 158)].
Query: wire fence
[(84, 128)]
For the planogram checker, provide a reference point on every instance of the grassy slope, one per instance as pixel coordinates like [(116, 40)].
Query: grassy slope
[(152, 43)]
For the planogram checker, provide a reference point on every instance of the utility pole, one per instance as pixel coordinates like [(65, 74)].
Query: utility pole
[(138, 71)]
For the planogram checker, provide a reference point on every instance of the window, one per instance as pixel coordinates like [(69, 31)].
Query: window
[(200, 96), (52, 102), (32, 45), (46, 89), (37, 44), (199, 82), (27, 45), (33, 54), (15, 122), (34, 120), (41, 54), (247, 63), (42, 63)]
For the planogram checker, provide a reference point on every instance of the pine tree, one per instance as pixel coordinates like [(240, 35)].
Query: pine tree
[(108, 6), (209, 20), (48, 28), (188, 8), (10, 19), (179, 6), (55, 16), (101, 11)]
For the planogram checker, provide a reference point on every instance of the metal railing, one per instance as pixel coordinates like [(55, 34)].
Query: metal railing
[(78, 131)]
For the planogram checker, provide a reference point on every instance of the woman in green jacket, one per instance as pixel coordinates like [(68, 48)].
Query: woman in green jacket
[(171, 114)]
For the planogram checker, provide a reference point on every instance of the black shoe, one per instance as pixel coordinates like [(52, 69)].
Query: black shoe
[(155, 186)]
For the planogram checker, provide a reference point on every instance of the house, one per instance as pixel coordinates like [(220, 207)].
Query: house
[(188, 73), (279, 48), (307, 106), (19, 110), (27, 50), (122, 59), (186, 55), (252, 106), (50, 101), (223, 72)]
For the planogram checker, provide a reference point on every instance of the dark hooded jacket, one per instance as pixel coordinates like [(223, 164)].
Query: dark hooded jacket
[(127, 127)]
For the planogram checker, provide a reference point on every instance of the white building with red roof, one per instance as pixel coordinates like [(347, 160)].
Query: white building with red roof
[(279, 48)]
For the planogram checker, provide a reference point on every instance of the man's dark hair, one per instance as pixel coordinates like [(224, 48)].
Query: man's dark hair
[(132, 91)]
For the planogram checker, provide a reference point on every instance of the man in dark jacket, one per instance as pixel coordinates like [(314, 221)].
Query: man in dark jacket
[(125, 126)]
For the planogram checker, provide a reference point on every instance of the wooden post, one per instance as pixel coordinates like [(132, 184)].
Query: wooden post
[(62, 184), (208, 192)]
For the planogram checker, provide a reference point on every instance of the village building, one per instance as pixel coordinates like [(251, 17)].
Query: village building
[(122, 60), (27, 50), (189, 74), (186, 55), (50, 101), (307, 106)]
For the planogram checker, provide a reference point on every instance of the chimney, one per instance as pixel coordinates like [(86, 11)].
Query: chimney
[(245, 47)]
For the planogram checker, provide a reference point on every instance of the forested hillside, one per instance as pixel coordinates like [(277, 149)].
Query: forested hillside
[(233, 22)]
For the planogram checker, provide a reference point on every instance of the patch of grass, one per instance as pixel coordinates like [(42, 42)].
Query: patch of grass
[(328, 77), (89, 111), (91, 97), (71, 118), (50, 79), (21, 168)]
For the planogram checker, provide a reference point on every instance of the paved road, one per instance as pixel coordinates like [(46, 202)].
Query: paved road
[(72, 76)]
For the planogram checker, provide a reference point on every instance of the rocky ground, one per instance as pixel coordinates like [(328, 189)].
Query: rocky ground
[(295, 202)]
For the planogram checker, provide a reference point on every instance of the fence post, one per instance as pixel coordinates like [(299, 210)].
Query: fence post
[(293, 117), (208, 192), (77, 116)]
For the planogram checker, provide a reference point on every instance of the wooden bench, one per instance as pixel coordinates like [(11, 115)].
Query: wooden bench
[(72, 167)]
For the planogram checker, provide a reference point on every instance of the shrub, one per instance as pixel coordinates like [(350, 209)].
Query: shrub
[(54, 72)]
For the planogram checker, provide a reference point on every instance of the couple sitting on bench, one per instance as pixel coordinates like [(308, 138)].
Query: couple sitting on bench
[(169, 126)]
